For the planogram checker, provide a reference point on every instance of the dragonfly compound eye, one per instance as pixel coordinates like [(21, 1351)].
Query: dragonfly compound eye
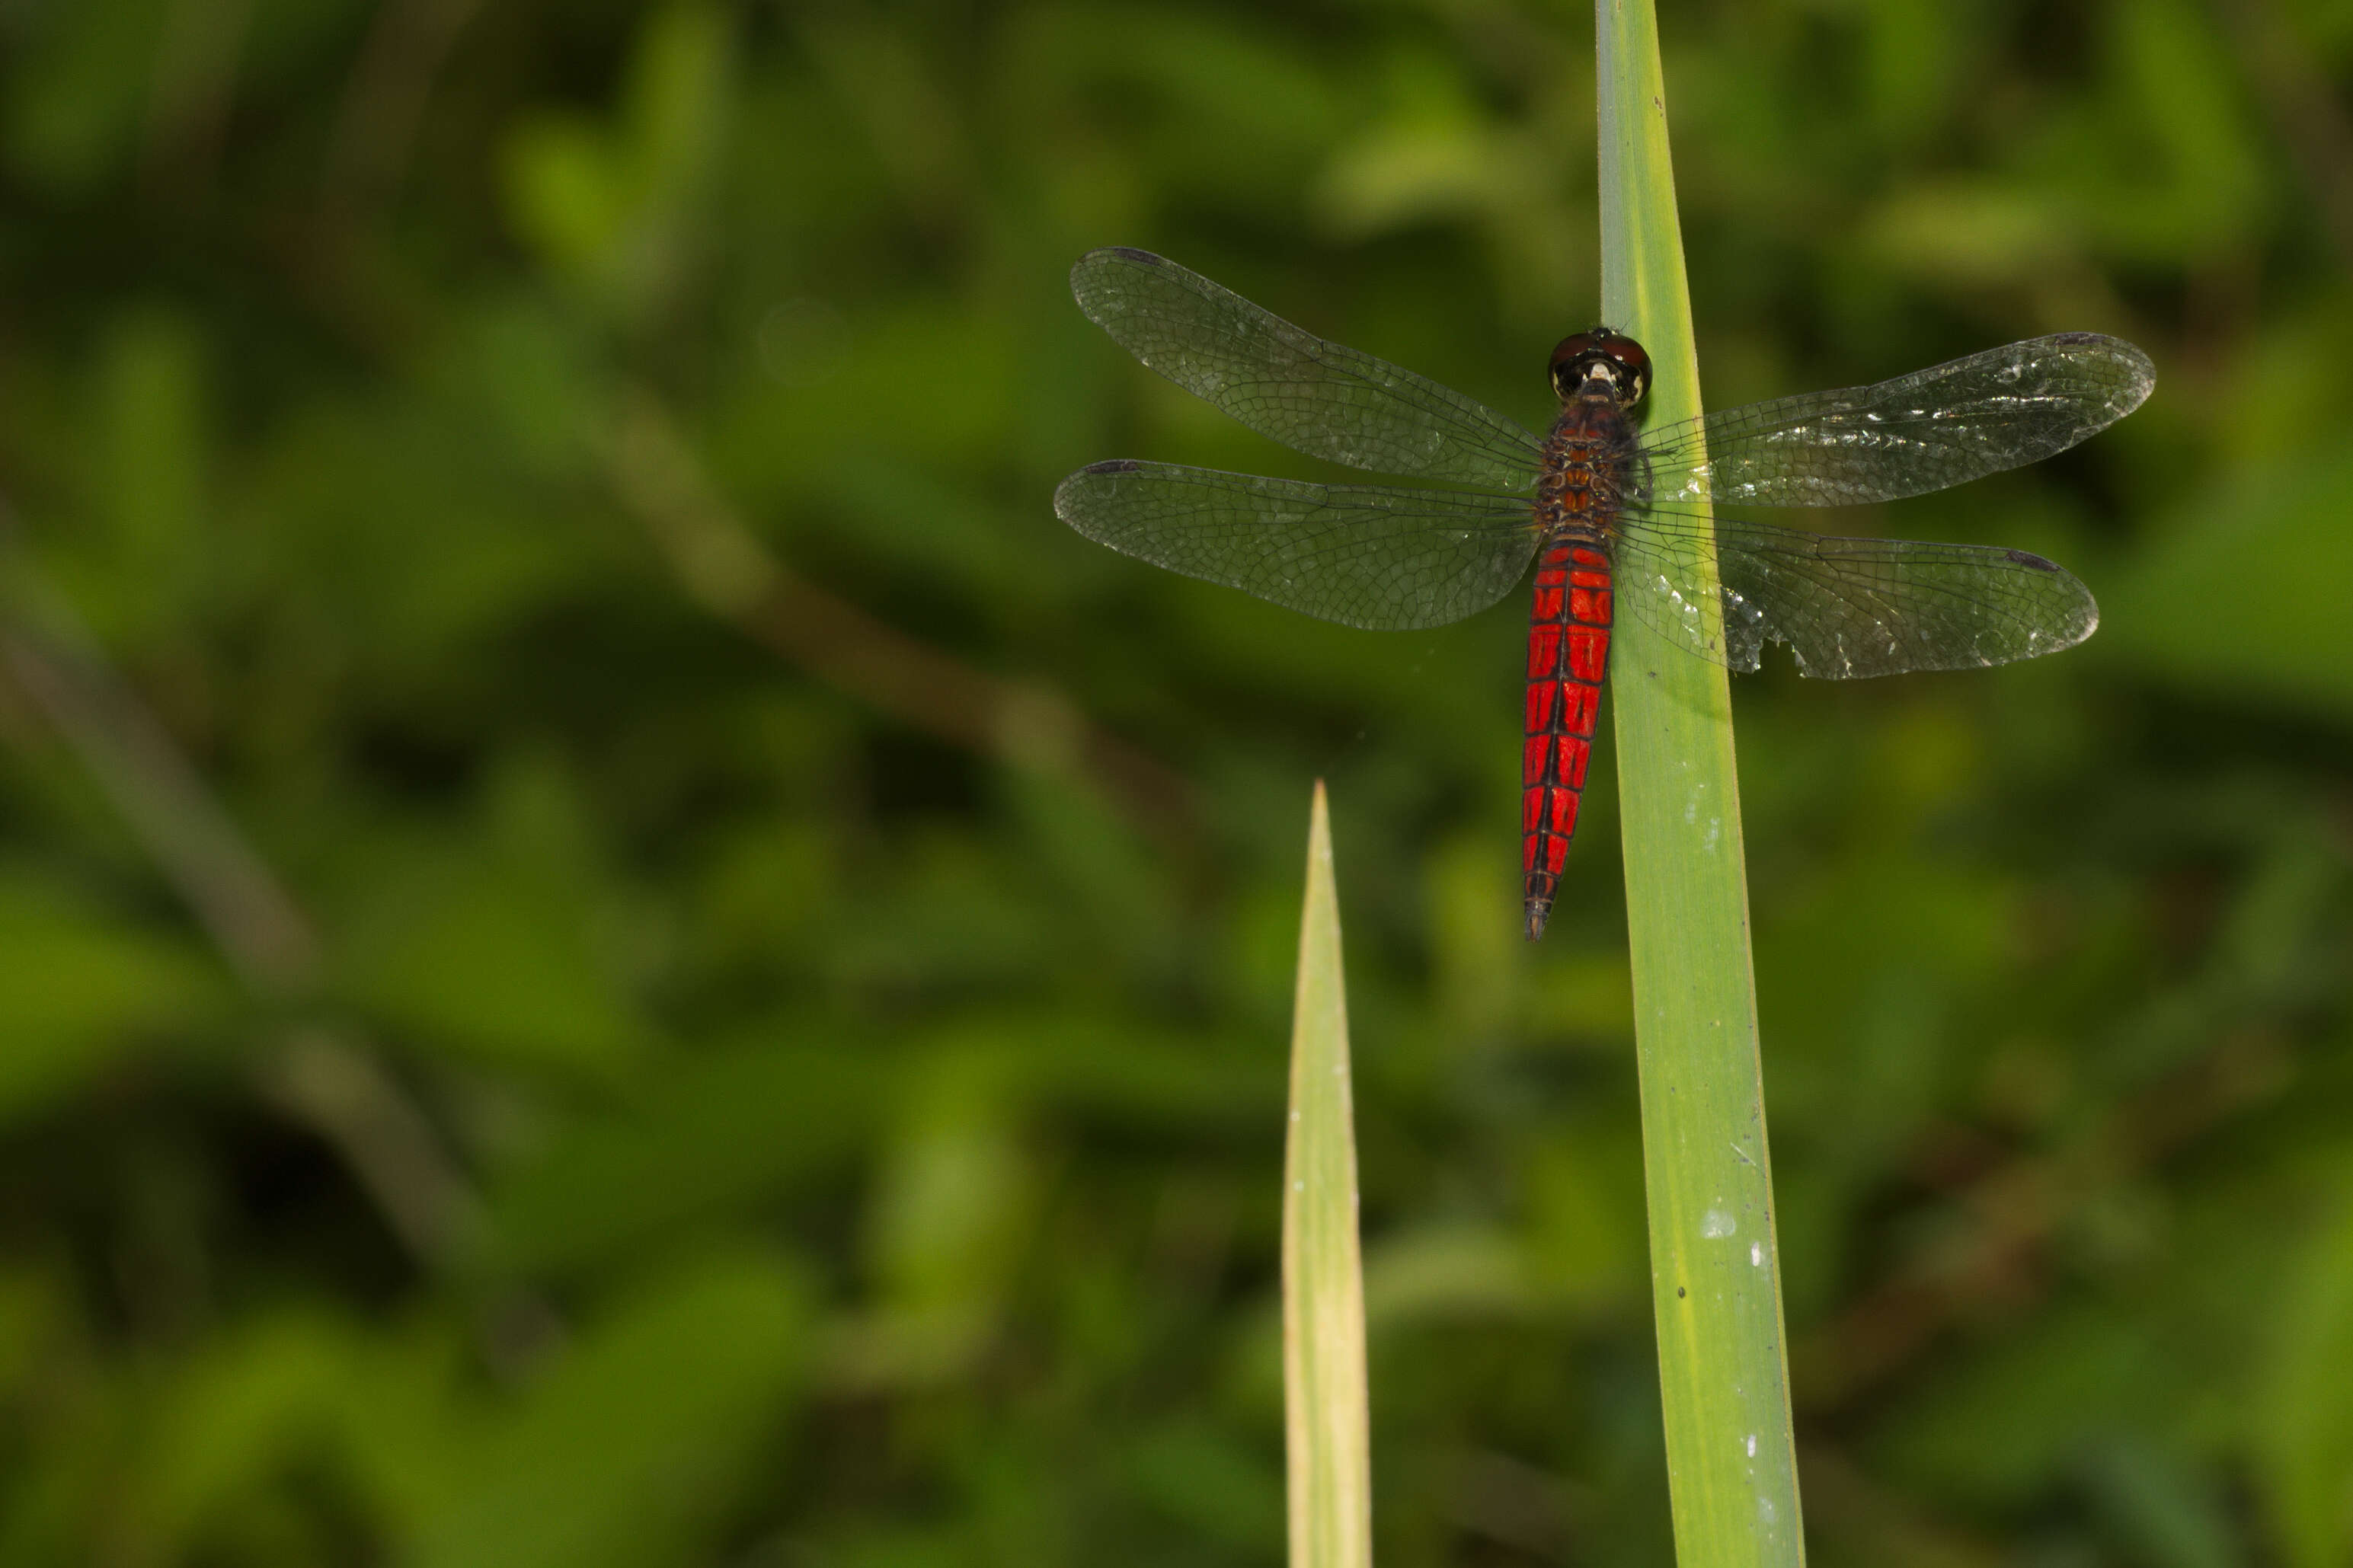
[(1635, 363), (1601, 351)]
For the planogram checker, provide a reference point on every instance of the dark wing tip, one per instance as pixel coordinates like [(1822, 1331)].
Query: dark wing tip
[(2085, 617), (1064, 491), (1092, 272), (2140, 371), (1126, 253)]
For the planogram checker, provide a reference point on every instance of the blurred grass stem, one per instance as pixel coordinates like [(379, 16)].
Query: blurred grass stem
[(727, 568), (326, 1076)]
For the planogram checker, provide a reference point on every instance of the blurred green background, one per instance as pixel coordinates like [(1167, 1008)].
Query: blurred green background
[(616, 949)]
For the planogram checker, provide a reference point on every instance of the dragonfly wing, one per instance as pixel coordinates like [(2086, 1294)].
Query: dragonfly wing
[(1320, 397), (1363, 555), (1917, 433), (1848, 608)]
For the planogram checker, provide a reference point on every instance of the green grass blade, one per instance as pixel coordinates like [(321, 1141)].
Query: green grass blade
[(1714, 1259), (1322, 1276)]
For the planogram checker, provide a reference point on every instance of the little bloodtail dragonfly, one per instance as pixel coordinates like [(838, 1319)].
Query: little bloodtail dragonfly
[(1611, 517)]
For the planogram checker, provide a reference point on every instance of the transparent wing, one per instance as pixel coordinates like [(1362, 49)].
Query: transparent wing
[(1363, 555), (1847, 607), (1917, 433), (1326, 400)]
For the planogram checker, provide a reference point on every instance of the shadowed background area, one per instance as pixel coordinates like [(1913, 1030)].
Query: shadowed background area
[(616, 951)]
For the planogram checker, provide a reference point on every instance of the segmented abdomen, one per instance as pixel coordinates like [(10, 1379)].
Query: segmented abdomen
[(1569, 658)]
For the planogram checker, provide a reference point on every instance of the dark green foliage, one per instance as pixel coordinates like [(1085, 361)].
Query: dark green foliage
[(616, 949)]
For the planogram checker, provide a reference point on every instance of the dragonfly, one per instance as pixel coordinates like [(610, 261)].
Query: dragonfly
[(1612, 517)]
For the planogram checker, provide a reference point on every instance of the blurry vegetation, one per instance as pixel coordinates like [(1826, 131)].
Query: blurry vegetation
[(614, 950)]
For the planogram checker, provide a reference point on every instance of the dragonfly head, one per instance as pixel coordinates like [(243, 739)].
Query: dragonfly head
[(1601, 364)]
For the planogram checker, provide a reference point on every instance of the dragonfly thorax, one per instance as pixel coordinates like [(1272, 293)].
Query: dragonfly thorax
[(1586, 468)]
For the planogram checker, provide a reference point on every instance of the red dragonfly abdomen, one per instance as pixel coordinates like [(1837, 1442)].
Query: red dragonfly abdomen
[(1580, 490), (1568, 658)]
